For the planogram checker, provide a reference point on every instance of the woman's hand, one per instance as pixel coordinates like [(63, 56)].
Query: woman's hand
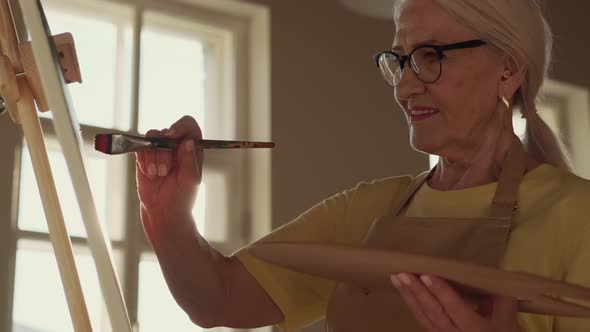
[(168, 181), (439, 308)]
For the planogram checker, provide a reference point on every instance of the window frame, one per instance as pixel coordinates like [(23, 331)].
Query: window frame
[(250, 25), (573, 118)]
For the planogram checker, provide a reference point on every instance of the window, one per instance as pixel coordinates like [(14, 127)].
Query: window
[(566, 112), (144, 65), (564, 108)]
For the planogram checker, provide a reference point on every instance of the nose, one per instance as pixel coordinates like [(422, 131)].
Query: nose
[(409, 84)]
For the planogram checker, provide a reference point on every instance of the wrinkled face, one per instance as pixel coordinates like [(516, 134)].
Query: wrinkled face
[(464, 98)]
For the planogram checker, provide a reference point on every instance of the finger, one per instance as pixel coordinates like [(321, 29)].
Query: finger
[(163, 158), (430, 305), (146, 222), (484, 306), (140, 163), (185, 127), (188, 169), (460, 312), (150, 156), (140, 174), (504, 308), (199, 158), (413, 305), (163, 161)]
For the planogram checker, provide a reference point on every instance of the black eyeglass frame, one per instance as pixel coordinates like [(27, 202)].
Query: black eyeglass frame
[(440, 49)]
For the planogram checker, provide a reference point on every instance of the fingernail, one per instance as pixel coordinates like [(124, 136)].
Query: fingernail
[(189, 145), (162, 170), (395, 281), (426, 280), (404, 278), (151, 170), (170, 132)]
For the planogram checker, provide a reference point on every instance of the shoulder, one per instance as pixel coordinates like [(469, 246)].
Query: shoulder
[(577, 187), (389, 185), (369, 193), (568, 195), (378, 195), (560, 184), (576, 195), (575, 227), (573, 190)]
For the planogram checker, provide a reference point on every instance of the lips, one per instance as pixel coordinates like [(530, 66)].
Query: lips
[(419, 113), (421, 109), (423, 112)]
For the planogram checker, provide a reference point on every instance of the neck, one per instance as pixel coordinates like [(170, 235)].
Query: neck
[(477, 167)]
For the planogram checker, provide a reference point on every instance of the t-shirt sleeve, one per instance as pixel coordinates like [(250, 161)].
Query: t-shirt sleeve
[(303, 298), (578, 272), (576, 246)]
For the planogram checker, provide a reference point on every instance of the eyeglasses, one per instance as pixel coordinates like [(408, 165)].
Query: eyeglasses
[(425, 61)]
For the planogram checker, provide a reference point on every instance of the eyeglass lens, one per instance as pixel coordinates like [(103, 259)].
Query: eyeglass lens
[(425, 62)]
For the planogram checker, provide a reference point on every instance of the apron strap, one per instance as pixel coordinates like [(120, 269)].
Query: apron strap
[(505, 200), (504, 203), (411, 190)]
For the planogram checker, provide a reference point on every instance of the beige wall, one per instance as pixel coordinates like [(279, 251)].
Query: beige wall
[(569, 20), (334, 119)]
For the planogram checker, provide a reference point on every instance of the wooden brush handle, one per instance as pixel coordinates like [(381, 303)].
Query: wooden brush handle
[(166, 143)]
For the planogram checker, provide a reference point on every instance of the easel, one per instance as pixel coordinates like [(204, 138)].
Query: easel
[(21, 89)]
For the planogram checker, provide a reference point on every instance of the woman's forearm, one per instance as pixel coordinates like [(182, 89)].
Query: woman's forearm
[(194, 271)]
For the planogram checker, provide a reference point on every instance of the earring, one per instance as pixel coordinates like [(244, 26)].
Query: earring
[(506, 102)]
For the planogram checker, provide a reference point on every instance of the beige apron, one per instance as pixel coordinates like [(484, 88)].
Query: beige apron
[(477, 240)]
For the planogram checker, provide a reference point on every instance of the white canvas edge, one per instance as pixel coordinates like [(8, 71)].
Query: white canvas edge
[(68, 132)]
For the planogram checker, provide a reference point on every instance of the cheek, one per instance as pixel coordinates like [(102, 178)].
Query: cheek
[(479, 81), (465, 95)]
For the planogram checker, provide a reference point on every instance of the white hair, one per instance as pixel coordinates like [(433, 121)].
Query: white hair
[(518, 29)]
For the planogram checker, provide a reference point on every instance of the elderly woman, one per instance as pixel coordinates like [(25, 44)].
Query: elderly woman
[(458, 68)]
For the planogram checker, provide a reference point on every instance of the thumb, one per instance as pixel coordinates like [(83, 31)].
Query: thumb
[(505, 308), (189, 170)]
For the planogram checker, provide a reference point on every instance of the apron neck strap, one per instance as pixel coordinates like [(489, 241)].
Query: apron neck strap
[(505, 199), (414, 185)]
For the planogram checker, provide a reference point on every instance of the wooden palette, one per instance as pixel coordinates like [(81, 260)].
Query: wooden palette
[(371, 268)]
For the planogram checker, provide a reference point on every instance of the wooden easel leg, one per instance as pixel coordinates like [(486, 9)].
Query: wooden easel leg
[(60, 240)]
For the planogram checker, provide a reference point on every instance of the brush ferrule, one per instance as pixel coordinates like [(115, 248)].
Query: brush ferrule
[(124, 144)]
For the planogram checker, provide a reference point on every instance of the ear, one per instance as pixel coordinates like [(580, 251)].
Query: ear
[(513, 76)]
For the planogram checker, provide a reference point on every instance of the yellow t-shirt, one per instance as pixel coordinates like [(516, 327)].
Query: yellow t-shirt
[(550, 237)]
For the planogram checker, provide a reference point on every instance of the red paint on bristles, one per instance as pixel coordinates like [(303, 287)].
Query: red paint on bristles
[(102, 143)]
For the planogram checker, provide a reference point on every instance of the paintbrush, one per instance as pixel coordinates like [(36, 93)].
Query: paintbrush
[(120, 143)]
